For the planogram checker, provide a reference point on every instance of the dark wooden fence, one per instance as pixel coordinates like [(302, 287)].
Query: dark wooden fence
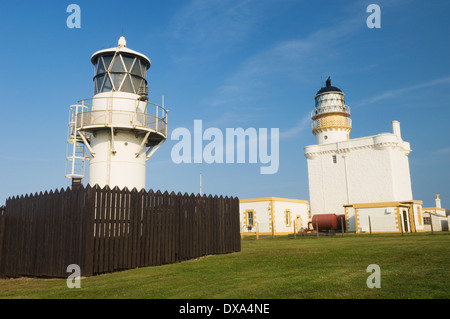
[(106, 230)]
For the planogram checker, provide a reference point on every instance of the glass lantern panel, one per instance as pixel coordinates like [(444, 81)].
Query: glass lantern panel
[(100, 66), (137, 82), (117, 64), (107, 60), (128, 62), (96, 66), (143, 68), (107, 86), (127, 86), (99, 81), (117, 79), (136, 68)]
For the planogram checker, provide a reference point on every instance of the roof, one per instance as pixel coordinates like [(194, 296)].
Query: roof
[(123, 49), (328, 88), (265, 199)]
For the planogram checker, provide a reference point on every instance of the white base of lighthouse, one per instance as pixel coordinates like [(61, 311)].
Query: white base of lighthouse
[(332, 135), (363, 170), (116, 162)]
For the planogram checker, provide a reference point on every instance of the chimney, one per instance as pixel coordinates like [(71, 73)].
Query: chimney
[(438, 201), (396, 129)]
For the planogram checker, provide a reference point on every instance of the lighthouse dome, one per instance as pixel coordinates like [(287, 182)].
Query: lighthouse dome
[(329, 99), (328, 88)]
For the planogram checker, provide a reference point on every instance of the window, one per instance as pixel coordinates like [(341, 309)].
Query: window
[(99, 82), (128, 62), (117, 72), (137, 83), (117, 79), (107, 86), (334, 158), (427, 221), (117, 65), (250, 218), (107, 60), (138, 68), (100, 68), (287, 217), (127, 86)]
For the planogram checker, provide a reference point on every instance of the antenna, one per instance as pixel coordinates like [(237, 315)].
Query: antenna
[(200, 184)]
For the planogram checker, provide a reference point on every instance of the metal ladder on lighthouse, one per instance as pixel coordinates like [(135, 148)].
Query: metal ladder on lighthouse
[(76, 154)]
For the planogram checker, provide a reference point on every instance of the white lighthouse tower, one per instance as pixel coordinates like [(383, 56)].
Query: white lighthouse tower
[(331, 117), (118, 129)]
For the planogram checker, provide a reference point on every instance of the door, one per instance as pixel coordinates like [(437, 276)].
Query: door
[(405, 221)]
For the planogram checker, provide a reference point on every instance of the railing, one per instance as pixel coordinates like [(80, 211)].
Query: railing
[(112, 115), (332, 121), (330, 109), (119, 118)]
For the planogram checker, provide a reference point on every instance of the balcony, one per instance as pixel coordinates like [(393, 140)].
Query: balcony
[(93, 120), (332, 121), (115, 112), (330, 109)]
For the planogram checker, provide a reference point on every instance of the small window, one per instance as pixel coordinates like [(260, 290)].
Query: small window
[(250, 218), (334, 159), (107, 60), (99, 81), (287, 217), (128, 62), (100, 68), (136, 69), (117, 79), (143, 68), (137, 83), (427, 221), (127, 86), (107, 86), (117, 65)]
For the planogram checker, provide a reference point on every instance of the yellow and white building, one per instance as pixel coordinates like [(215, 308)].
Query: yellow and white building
[(273, 215), (367, 179), (385, 217), (435, 218)]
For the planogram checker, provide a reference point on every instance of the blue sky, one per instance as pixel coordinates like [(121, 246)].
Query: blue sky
[(230, 63)]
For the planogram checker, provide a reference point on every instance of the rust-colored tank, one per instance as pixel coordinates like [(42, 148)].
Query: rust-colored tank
[(324, 221)]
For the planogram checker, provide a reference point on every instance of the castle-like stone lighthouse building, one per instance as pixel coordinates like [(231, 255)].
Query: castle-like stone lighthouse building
[(367, 179)]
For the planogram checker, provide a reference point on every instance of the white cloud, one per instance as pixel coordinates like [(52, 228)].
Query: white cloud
[(302, 125), (292, 59), (445, 150), (399, 92)]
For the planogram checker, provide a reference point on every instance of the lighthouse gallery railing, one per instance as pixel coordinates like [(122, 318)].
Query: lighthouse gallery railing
[(116, 118), (123, 118)]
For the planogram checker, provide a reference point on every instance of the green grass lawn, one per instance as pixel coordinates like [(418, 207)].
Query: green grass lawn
[(412, 266)]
